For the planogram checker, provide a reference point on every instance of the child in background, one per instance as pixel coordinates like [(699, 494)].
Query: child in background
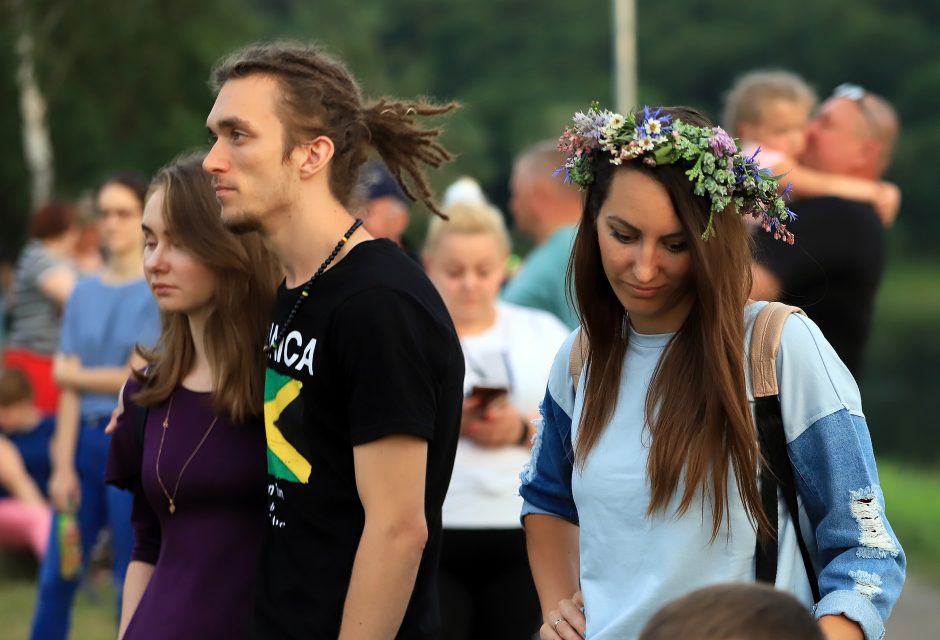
[(25, 518), (738, 611), (771, 110)]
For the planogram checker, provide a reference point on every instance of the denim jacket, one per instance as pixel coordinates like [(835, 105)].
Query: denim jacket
[(632, 562)]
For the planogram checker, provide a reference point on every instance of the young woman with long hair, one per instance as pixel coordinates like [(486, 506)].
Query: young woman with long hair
[(197, 470), (643, 482)]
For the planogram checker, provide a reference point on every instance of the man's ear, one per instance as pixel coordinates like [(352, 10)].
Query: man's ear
[(315, 155)]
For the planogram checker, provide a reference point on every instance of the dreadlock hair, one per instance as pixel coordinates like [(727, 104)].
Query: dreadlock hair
[(319, 96)]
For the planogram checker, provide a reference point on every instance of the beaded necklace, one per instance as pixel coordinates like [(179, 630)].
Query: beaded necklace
[(280, 330)]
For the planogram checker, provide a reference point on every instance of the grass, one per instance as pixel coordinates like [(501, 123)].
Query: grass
[(93, 616), (912, 497)]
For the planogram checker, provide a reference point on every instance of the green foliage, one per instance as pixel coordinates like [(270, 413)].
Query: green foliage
[(912, 500), (126, 82)]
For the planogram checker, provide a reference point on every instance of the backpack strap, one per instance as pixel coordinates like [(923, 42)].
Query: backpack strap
[(577, 356), (776, 470)]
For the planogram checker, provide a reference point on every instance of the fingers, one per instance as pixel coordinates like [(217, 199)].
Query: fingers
[(558, 628), (64, 493), (112, 425), (573, 615)]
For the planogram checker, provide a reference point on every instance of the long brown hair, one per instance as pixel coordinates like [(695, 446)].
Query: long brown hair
[(240, 309), (319, 96), (697, 409)]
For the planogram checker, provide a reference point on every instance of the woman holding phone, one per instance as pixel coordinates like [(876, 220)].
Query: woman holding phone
[(508, 355)]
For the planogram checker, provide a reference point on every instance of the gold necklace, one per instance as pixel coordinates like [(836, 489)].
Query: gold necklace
[(166, 424)]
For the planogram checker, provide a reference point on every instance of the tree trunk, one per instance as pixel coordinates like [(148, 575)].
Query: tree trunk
[(37, 142)]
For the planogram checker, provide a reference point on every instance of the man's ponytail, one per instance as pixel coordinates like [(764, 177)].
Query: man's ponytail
[(404, 146)]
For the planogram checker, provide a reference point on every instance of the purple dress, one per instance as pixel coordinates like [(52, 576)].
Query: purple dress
[(205, 553)]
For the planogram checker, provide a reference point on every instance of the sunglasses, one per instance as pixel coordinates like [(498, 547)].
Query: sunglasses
[(857, 94)]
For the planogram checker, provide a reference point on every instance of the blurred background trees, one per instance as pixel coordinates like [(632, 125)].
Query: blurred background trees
[(125, 83), (125, 86)]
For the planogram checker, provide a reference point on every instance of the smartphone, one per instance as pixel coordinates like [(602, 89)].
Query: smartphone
[(487, 394)]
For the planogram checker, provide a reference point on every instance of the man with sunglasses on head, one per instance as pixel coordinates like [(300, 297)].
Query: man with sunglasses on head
[(834, 269)]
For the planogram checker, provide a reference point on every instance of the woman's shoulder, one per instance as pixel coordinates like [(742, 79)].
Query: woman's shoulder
[(813, 381)]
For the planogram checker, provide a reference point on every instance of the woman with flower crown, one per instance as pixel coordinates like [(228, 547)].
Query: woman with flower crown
[(643, 483)]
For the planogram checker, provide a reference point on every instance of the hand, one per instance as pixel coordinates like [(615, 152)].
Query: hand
[(572, 623), (498, 426), (65, 490), (887, 202), (472, 412), (839, 628), (118, 410)]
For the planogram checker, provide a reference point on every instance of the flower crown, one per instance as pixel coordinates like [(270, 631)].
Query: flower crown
[(719, 171)]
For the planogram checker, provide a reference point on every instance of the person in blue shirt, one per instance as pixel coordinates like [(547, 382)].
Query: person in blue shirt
[(545, 209), (642, 485), (106, 316)]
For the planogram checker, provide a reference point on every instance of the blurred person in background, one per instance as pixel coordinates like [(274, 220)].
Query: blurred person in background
[(464, 190), (43, 281), (197, 469), (485, 583), (770, 110), (25, 435), (87, 255), (106, 316), (546, 210), (385, 211), (834, 272), (7, 272)]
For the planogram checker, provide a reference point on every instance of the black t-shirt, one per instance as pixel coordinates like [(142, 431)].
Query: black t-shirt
[(833, 271), (371, 353)]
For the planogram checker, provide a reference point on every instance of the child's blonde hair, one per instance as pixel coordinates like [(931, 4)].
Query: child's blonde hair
[(750, 92), (467, 218)]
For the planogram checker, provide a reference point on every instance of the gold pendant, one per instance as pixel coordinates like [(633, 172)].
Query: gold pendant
[(172, 508)]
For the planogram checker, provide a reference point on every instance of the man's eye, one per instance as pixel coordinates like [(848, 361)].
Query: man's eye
[(237, 135)]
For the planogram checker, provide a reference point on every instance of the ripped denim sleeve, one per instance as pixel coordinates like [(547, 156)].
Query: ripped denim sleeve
[(546, 479), (860, 562)]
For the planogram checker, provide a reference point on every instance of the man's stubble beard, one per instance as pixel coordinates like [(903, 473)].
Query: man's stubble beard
[(243, 223)]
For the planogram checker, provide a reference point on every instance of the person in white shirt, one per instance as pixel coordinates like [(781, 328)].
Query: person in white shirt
[(486, 586)]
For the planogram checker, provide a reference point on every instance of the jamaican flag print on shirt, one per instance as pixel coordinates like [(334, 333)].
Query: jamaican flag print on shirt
[(283, 421)]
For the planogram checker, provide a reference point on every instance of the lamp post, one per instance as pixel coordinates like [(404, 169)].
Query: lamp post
[(624, 12)]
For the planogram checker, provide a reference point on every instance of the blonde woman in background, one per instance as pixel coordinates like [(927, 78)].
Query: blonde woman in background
[(486, 586)]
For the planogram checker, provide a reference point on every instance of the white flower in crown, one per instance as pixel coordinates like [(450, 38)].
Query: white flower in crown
[(653, 126), (616, 121), (646, 144)]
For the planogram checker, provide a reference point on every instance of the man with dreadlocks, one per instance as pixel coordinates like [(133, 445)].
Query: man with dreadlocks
[(364, 369)]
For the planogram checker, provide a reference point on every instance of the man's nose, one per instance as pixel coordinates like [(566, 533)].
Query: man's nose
[(214, 162)]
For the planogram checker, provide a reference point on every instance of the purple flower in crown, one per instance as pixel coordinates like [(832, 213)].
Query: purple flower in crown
[(721, 143), (753, 158), (654, 123), (591, 124)]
